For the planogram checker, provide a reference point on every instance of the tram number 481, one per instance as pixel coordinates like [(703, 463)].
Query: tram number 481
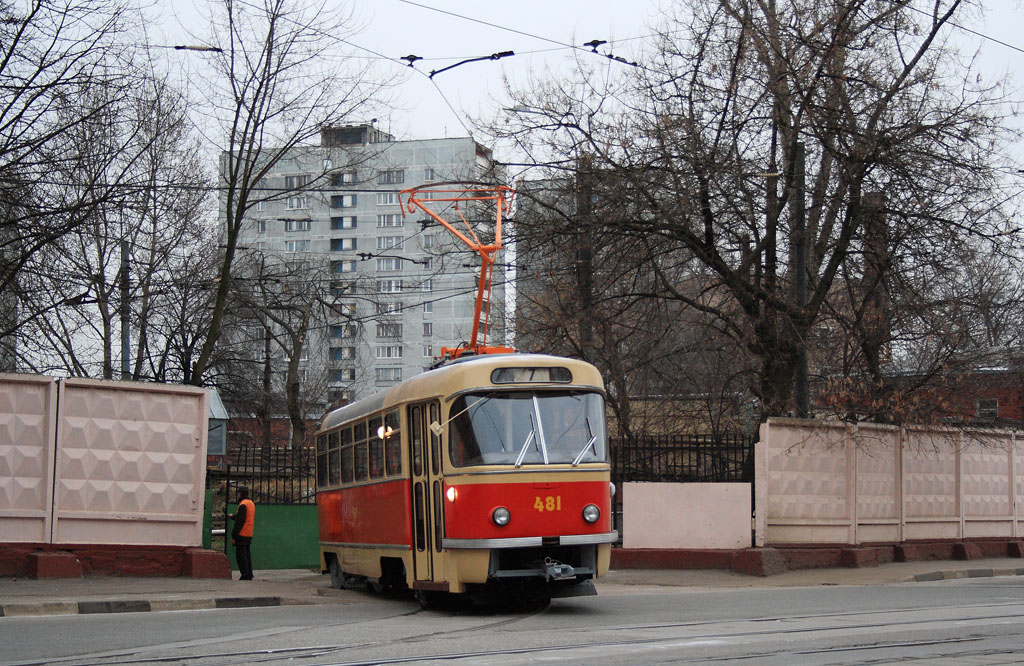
[(548, 503)]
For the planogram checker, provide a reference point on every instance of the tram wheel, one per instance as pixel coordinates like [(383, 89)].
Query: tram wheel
[(337, 575), (427, 600)]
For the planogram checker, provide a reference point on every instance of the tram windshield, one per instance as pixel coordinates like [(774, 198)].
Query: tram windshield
[(528, 427)]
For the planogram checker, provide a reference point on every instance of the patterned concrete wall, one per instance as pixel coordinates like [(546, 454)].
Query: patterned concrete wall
[(686, 515), (130, 465), (27, 408), (817, 483), (100, 462)]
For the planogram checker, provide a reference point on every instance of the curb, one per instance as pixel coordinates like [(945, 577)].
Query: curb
[(953, 574), (29, 609)]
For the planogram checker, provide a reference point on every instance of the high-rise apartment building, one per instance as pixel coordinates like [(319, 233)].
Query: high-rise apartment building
[(399, 288)]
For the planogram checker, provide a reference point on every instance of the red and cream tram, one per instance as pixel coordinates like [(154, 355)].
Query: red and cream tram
[(487, 476)]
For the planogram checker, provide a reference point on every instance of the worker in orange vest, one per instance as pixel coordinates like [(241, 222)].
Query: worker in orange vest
[(241, 535)]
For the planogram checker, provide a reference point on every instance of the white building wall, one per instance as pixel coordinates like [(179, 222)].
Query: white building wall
[(452, 286)]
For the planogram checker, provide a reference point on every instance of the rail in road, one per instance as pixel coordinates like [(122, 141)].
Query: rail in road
[(985, 632)]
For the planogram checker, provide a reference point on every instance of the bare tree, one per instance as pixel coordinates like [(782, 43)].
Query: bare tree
[(278, 306), (83, 293), (51, 54), (278, 79), (747, 145)]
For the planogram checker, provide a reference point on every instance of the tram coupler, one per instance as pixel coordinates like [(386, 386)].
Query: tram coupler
[(554, 570)]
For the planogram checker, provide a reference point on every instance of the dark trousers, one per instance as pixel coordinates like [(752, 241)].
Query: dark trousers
[(243, 554)]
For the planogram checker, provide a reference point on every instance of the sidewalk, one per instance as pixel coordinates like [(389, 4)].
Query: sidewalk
[(110, 594)]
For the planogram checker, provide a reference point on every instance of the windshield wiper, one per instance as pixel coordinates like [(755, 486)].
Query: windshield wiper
[(593, 438), (526, 444)]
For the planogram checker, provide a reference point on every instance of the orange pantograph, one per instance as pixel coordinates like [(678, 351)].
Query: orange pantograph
[(455, 199)]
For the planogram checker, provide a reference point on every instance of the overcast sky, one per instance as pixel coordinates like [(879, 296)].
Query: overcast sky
[(540, 32)]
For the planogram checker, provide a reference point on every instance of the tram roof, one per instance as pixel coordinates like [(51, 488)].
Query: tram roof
[(468, 371)]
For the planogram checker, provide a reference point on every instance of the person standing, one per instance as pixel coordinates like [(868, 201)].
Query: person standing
[(241, 534)]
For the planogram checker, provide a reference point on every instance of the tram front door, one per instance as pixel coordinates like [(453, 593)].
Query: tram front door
[(427, 509)]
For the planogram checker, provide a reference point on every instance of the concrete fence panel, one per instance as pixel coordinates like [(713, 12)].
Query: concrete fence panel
[(27, 407), (839, 483), (130, 465)]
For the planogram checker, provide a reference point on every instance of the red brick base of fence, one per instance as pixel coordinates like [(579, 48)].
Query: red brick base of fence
[(73, 561), (775, 560)]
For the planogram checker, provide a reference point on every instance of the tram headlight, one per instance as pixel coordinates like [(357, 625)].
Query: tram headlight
[(591, 513), (501, 516)]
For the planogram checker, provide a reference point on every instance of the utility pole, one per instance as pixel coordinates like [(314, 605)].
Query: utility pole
[(799, 243), (126, 370), (585, 257)]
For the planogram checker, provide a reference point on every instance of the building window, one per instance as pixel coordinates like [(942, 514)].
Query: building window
[(428, 174), (342, 244), (388, 374), (389, 351), (427, 195), (343, 353), (261, 205), (391, 177), (428, 351), (340, 397), (427, 263), (343, 178), (343, 201), (389, 264), (988, 408), (428, 329), (296, 182), (389, 242), (389, 330), (344, 309), (296, 246), (343, 375), (428, 240), (428, 307), (389, 308), (384, 221), (261, 226), (297, 203), (387, 198), (343, 330), (347, 222), (347, 266), (427, 285), (298, 225), (340, 287), (389, 286)]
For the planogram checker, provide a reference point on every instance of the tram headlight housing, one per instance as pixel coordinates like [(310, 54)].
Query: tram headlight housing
[(591, 513), (501, 516)]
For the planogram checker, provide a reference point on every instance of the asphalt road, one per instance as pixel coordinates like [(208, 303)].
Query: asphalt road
[(977, 621)]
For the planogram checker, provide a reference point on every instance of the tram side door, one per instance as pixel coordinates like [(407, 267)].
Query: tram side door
[(428, 521)]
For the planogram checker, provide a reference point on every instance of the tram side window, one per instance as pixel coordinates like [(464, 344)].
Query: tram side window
[(416, 436), (359, 454), (346, 465), (435, 441), (321, 461), (376, 445), (392, 444), (333, 459), (346, 455), (360, 459)]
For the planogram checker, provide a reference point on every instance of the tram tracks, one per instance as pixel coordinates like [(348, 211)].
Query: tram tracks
[(780, 636), (137, 655)]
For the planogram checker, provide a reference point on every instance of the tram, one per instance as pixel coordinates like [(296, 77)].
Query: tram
[(487, 476)]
